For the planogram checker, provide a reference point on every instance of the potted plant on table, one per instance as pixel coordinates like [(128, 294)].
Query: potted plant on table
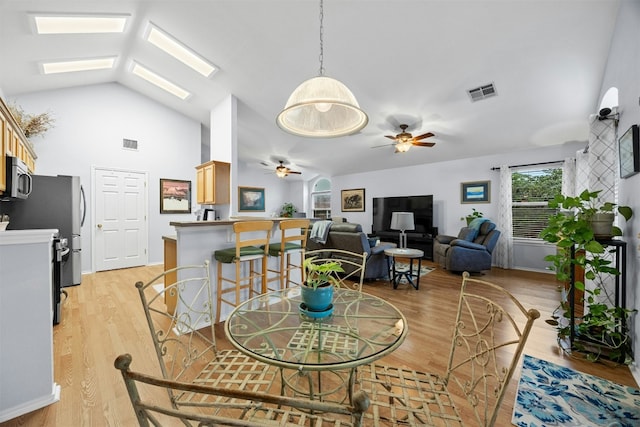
[(604, 324), (320, 280), (473, 215)]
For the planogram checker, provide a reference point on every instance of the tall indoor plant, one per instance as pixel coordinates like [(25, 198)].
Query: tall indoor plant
[(572, 227)]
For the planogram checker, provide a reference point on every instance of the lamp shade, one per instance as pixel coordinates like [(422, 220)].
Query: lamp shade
[(322, 107), (402, 221)]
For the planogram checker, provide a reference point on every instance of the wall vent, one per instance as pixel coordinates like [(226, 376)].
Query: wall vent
[(482, 92), (130, 144)]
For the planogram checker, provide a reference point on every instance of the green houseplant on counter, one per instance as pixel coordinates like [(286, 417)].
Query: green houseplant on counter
[(287, 210), (572, 227), (317, 289)]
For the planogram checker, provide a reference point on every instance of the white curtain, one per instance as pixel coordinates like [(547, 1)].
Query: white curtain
[(503, 253), (569, 177)]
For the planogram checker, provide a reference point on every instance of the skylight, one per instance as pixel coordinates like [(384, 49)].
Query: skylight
[(80, 24), (161, 82), (179, 51), (78, 65)]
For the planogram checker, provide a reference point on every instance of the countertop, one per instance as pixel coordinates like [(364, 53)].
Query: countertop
[(228, 221)]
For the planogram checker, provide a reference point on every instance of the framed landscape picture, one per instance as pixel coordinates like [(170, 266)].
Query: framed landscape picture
[(175, 196), (250, 199), (475, 192), (352, 200)]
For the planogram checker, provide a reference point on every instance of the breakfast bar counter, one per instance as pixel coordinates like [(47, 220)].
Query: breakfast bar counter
[(197, 240)]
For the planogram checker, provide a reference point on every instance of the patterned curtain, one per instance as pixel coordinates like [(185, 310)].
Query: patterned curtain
[(603, 158), (504, 248)]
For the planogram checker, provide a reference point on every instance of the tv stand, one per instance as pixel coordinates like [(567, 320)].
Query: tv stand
[(422, 241)]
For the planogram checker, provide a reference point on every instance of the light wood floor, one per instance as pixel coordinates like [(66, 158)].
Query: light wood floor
[(102, 318)]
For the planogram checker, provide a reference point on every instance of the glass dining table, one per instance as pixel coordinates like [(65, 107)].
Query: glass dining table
[(318, 357)]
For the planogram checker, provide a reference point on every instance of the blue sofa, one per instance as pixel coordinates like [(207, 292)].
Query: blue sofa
[(469, 251)]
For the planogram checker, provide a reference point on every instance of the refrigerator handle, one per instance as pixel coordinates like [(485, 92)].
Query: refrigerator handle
[(84, 206)]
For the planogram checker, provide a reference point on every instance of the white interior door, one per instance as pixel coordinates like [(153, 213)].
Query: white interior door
[(120, 226)]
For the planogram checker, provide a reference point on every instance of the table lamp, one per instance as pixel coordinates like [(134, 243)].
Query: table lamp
[(402, 221)]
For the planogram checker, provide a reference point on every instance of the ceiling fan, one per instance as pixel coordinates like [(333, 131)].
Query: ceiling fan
[(404, 140), (282, 170)]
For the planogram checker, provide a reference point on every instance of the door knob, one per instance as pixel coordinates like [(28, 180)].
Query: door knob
[(99, 225)]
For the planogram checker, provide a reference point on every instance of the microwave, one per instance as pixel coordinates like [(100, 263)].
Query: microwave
[(19, 183)]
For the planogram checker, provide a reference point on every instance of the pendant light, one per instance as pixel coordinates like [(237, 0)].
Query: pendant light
[(322, 107)]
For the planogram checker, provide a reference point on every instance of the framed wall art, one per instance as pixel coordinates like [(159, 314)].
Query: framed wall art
[(352, 200), (175, 196), (250, 199), (628, 152), (475, 192)]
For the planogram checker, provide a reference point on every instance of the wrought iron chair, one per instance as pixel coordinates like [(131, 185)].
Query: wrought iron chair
[(184, 338), (489, 335), (354, 265), (235, 407)]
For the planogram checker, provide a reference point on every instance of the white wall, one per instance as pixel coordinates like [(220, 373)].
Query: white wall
[(91, 122), (442, 180), (623, 69)]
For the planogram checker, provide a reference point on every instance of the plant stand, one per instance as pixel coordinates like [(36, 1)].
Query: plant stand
[(620, 298)]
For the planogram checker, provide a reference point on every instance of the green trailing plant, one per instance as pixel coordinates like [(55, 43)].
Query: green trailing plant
[(603, 325), (319, 274), (287, 210), (473, 215)]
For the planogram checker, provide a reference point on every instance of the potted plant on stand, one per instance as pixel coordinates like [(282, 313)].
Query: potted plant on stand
[(579, 246), (317, 289), (287, 210)]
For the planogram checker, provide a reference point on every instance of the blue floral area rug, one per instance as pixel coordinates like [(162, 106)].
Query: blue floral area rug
[(551, 395), (404, 266)]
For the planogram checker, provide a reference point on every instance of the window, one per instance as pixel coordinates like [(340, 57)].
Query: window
[(321, 199), (531, 191)]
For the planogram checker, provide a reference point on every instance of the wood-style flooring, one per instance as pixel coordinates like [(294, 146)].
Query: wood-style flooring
[(102, 318)]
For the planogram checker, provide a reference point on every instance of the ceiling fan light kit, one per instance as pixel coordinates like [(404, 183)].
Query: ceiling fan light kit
[(322, 107)]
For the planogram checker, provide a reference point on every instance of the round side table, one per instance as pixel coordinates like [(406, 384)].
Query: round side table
[(410, 275)]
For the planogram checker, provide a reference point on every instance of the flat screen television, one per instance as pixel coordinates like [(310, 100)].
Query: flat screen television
[(421, 206)]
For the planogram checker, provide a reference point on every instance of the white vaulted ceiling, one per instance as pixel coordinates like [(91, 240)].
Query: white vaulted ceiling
[(406, 61)]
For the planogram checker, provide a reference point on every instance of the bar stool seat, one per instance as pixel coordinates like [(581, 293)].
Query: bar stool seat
[(291, 242), (252, 243)]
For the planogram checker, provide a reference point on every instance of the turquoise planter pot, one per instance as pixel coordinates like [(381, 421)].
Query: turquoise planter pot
[(318, 299)]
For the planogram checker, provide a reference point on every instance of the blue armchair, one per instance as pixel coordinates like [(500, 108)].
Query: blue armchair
[(470, 251)]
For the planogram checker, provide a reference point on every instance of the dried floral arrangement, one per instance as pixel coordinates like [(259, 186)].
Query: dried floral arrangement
[(31, 124)]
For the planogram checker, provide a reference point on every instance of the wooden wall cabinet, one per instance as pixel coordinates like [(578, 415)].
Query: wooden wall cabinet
[(213, 183), (12, 143)]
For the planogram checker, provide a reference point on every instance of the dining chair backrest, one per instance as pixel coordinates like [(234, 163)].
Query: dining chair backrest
[(238, 408), (490, 332), (353, 264), (185, 337)]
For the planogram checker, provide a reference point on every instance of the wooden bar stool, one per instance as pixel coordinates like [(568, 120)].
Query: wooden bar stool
[(293, 240), (252, 243)]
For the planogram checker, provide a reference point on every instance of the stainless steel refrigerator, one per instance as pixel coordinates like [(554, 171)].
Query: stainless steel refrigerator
[(55, 202)]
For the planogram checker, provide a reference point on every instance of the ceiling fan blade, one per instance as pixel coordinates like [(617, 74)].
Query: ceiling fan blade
[(383, 145), (423, 144), (296, 172), (390, 137), (423, 136)]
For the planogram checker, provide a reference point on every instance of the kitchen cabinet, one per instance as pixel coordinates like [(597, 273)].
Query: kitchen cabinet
[(213, 183), (12, 143), (26, 318)]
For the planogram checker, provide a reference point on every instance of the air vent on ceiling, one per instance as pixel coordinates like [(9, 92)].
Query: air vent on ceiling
[(130, 144), (482, 92)]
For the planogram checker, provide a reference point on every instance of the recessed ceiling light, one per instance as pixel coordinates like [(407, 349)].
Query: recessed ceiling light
[(161, 82), (179, 51), (79, 65), (80, 24)]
